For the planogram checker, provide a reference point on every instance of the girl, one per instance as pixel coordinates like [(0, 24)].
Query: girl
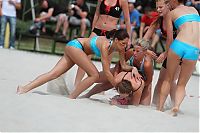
[(82, 47), (185, 46), (106, 18)]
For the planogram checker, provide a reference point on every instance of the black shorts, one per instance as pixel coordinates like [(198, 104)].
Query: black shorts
[(100, 32)]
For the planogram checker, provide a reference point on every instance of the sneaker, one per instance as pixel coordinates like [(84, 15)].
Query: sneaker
[(12, 47), (1, 46)]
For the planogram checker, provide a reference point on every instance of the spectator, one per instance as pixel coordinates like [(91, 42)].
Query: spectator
[(9, 15), (0, 8), (188, 2), (134, 20), (146, 20), (51, 11), (141, 4), (80, 16)]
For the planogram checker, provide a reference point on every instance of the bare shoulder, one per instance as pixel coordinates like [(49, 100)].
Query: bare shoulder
[(193, 10), (148, 61)]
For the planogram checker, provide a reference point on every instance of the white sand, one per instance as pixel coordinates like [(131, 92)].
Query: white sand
[(40, 110)]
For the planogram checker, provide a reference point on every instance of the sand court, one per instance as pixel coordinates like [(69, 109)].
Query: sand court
[(48, 109)]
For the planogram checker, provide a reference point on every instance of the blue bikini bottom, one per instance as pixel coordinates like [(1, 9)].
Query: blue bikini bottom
[(184, 50)]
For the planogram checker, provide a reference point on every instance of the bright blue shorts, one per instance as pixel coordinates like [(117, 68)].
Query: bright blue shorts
[(75, 43), (185, 50)]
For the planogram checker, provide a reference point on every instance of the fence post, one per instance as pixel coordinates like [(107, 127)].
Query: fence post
[(7, 36)]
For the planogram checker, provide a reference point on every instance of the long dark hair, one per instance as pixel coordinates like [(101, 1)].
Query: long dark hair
[(120, 34)]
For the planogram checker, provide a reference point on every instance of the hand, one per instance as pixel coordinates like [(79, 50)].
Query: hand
[(161, 57), (135, 74), (76, 7), (37, 20), (152, 54)]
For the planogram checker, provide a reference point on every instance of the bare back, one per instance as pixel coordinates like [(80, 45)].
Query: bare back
[(189, 32)]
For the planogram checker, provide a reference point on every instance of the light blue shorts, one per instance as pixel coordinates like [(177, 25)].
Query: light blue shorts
[(185, 50), (75, 43)]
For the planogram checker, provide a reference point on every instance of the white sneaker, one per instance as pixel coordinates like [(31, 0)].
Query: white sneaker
[(1, 46), (12, 48)]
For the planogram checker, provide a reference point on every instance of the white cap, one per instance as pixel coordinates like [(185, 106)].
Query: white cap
[(131, 1)]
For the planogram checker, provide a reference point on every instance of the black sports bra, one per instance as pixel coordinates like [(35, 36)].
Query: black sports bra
[(114, 11)]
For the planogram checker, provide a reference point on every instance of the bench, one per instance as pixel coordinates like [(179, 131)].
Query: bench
[(54, 41)]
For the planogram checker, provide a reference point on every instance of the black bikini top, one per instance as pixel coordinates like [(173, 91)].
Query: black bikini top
[(114, 11)]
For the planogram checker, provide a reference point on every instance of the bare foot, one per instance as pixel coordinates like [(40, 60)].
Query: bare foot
[(20, 90), (174, 111)]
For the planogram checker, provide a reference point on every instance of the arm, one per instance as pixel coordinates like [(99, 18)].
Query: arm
[(142, 25), (49, 14), (123, 63), (148, 69), (125, 10), (124, 5), (16, 4), (106, 63), (83, 14), (150, 31), (169, 25), (96, 15)]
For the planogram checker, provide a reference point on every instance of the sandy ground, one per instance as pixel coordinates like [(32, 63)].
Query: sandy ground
[(42, 110)]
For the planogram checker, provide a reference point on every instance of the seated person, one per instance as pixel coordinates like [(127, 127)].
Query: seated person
[(51, 11), (80, 11), (146, 20), (134, 19)]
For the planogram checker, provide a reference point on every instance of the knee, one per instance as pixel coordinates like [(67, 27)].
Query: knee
[(83, 21), (96, 76)]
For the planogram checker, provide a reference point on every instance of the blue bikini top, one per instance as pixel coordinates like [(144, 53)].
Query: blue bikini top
[(186, 18), (141, 69), (94, 48)]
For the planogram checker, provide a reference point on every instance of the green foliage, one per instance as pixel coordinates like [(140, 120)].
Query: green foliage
[(23, 26)]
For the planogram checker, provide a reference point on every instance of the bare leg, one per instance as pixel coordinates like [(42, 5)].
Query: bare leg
[(83, 27), (172, 63), (80, 74), (156, 93), (59, 23), (103, 85), (174, 85), (86, 65), (61, 67), (65, 26), (187, 68), (98, 88)]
